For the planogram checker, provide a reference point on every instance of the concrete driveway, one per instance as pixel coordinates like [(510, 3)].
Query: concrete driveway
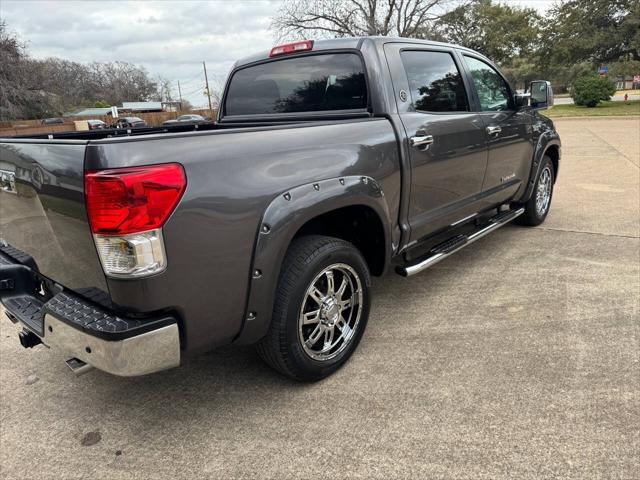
[(516, 358)]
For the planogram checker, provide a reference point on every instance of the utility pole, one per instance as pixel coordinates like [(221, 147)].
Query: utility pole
[(180, 94), (206, 79)]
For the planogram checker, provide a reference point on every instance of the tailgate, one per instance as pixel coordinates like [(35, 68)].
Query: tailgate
[(42, 210)]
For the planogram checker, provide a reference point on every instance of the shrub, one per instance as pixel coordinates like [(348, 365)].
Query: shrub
[(590, 90)]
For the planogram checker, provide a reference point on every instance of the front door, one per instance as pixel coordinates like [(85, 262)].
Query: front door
[(447, 141), (509, 131)]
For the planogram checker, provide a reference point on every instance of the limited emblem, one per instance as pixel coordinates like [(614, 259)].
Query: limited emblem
[(403, 95), (7, 181), (508, 177)]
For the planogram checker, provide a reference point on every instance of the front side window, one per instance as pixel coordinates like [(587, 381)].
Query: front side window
[(493, 91), (434, 81), (312, 83)]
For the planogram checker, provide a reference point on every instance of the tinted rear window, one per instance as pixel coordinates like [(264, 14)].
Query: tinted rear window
[(435, 82), (313, 83)]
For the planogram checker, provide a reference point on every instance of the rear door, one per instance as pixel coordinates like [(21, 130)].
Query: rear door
[(447, 141), (509, 130)]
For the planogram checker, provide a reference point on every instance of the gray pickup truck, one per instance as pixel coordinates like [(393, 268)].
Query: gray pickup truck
[(329, 162)]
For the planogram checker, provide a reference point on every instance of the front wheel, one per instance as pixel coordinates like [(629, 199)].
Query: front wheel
[(321, 308), (537, 207)]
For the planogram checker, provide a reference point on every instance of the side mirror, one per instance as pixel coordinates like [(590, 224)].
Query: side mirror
[(541, 94)]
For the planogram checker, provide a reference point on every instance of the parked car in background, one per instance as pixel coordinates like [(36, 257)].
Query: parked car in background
[(97, 124), (129, 122), (186, 119), (52, 121)]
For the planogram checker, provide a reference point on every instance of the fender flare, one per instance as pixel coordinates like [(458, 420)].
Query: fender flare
[(547, 139), (282, 219)]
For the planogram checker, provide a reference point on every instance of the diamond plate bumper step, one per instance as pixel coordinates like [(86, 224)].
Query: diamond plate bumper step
[(82, 329)]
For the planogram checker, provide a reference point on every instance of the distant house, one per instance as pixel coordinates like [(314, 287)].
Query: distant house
[(129, 108), (90, 112), (625, 82), (141, 107)]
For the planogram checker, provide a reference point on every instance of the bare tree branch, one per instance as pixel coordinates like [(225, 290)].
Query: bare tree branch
[(340, 18), (391, 6)]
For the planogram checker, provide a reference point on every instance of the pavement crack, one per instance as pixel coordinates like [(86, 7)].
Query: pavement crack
[(588, 233), (627, 159)]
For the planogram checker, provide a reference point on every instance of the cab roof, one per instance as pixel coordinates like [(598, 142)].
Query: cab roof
[(349, 43)]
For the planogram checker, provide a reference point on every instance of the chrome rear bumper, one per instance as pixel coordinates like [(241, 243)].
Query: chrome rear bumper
[(80, 328), (148, 352)]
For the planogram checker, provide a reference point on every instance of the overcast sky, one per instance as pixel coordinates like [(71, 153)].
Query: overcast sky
[(169, 38)]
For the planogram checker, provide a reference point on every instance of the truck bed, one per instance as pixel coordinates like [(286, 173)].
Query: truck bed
[(209, 126), (233, 174)]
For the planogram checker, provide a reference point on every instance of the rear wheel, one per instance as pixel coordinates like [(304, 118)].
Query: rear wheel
[(321, 308), (537, 207)]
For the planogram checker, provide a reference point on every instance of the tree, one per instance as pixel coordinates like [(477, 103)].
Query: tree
[(185, 105), (355, 18), (625, 68), (163, 90), (563, 76), (20, 97), (501, 32), (70, 81), (591, 90), (118, 82), (597, 31), (520, 71), (32, 88)]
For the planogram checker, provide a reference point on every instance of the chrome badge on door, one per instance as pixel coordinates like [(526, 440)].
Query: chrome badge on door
[(7, 181)]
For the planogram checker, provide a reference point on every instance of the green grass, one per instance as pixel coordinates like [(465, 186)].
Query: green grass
[(632, 107)]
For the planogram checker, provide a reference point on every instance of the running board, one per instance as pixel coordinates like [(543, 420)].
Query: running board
[(446, 248)]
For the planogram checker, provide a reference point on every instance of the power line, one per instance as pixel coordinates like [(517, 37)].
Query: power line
[(199, 89), (195, 77)]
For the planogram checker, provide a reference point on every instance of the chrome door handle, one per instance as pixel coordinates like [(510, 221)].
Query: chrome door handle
[(421, 141), (493, 130)]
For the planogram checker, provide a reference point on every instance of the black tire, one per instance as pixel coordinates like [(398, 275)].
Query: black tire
[(308, 257), (532, 215)]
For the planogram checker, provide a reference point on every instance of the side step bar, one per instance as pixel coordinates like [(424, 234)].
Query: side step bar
[(443, 250)]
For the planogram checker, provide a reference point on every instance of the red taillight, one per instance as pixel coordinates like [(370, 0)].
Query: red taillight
[(291, 48), (130, 200)]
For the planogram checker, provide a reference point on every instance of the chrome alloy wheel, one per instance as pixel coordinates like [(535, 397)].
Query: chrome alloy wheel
[(330, 312), (543, 192)]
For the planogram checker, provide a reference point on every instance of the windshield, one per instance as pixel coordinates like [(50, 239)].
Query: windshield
[(312, 83)]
